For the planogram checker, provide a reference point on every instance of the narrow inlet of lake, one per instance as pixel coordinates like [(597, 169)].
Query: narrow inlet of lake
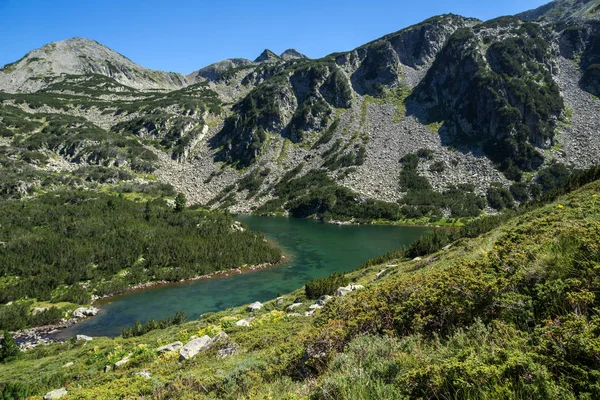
[(315, 250)]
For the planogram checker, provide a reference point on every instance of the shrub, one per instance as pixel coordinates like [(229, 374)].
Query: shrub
[(316, 288), (8, 348), (499, 198), (138, 329)]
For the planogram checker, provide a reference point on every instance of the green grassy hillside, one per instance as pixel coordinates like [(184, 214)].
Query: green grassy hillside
[(510, 314)]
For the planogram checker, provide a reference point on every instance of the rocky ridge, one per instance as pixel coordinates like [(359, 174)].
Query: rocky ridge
[(356, 114)]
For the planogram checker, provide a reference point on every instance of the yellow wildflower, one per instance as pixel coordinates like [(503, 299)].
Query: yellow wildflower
[(560, 206)]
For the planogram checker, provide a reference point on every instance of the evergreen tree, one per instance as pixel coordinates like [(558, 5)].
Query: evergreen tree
[(9, 349), (180, 202)]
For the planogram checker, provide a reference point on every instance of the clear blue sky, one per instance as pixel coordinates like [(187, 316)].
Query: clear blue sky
[(184, 35)]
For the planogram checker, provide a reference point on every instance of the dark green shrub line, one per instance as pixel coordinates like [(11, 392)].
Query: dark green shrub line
[(318, 287), (141, 329)]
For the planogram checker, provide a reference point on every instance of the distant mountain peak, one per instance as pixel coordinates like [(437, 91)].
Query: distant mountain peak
[(81, 56), (292, 54), (213, 71), (561, 10), (267, 56)]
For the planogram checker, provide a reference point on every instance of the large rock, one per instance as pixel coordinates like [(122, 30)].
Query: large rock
[(244, 322), (193, 347), (122, 362), (221, 337), (342, 291), (254, 307), (56, 394), (175, 346), (323, 299), (83, 312)]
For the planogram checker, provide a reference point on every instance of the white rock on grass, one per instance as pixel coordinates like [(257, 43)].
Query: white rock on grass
[(292, 307), (69, 364), (84, 337), (175, 346), (342, 291), (244, 322), (144, 374), (122, 362), (324, 299), (193, 347), (380, 274), (254, 306), (56, 394)]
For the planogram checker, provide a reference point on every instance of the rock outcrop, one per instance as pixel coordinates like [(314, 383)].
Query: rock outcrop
[(193, 347), (171, 347)]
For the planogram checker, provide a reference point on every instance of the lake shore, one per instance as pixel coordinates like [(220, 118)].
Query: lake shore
[(99, 300), (46, 334)]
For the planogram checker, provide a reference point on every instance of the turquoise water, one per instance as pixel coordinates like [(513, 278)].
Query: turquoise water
[(315, 250)]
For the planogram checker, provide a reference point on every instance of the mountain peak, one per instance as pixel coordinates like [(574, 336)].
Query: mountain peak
[(267, 56), (81, 56), (292, 54)]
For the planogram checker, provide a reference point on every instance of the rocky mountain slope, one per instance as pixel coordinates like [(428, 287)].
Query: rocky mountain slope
[(79, 56), (562, 10), (449, 111)]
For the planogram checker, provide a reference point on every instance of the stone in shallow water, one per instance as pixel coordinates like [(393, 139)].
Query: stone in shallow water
[(193, 347), (175, 346), (56, 394)]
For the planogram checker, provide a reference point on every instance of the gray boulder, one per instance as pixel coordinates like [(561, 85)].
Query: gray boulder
[(227, 351), (84, 337), (175, 346), (193, 347), (254, 307), (324, 299), (122, 362), (83, 312), (244, 322), (342, 291), (221, 337), (56, 394), (292, 307), (279, 301)]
